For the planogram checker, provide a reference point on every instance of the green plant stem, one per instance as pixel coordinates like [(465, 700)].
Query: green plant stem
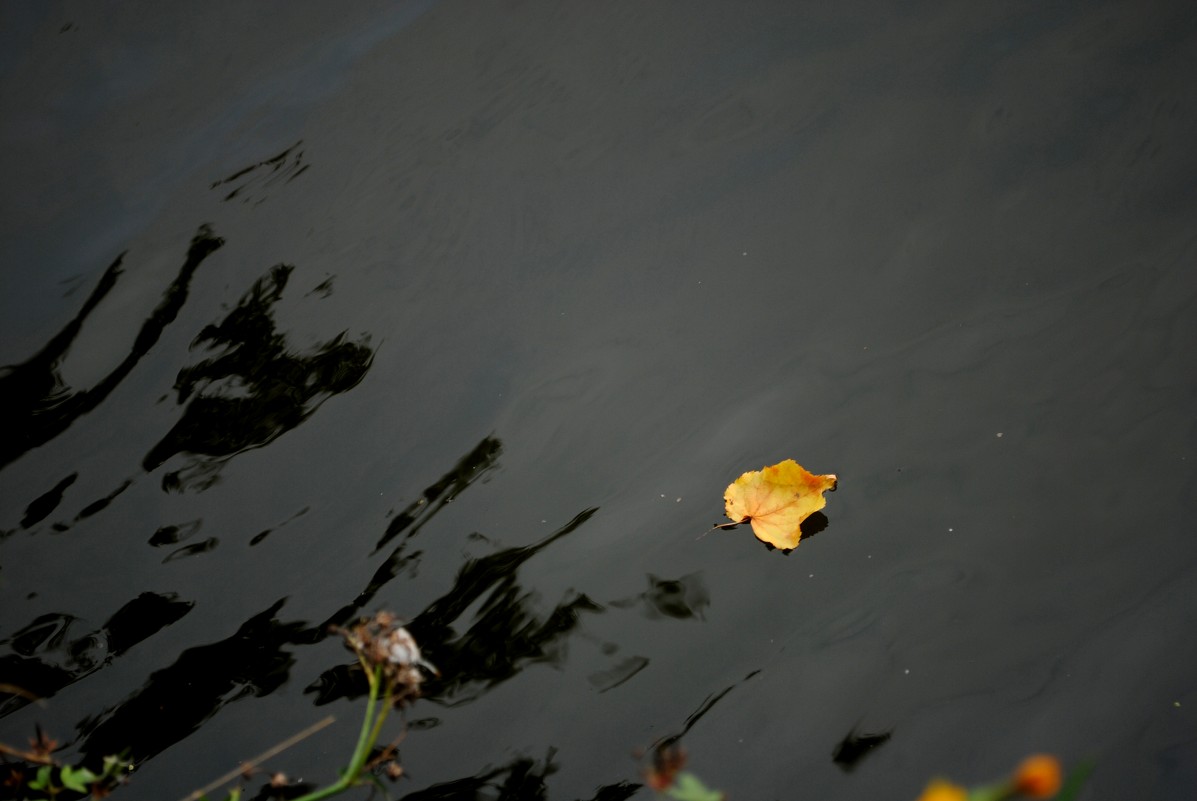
[(378, 721), (371, 725)]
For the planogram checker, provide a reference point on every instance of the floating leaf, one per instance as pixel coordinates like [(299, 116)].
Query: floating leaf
[(776, 499)]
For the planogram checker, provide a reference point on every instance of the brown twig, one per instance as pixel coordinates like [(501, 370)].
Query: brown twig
[(28, 756), (260, 758)]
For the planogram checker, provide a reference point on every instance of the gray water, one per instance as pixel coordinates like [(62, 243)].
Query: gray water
[(472, 311)]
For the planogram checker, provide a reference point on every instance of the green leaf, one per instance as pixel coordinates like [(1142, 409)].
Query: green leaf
[(42, 782), (115, 764), (990, 792), (77, 779), (1075, 781), (687, 787)]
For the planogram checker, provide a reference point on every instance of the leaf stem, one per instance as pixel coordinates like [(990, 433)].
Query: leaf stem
[(371, 725)]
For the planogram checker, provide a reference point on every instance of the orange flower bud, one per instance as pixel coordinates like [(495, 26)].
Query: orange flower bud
[(1038, 776), (940, 790)]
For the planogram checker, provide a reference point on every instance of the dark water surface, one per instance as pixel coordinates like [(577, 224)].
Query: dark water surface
[(471, 311)]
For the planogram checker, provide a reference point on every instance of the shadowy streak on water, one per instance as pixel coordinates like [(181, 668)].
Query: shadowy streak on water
[(707, 704), (856, 745), (621, 673), (42, 506), (522, 780), (257, 659), (176, 700), (36, 406), (681, 599), (504, 637), (255, 391), (285, 168), (468, 469), (43, 661)]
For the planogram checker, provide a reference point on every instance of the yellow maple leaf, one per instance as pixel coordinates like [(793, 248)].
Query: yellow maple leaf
[(776, 499)]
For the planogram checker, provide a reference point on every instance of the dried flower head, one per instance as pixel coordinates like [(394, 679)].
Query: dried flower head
[(41, 747), (15, 777), (380, 642), (667, 760)]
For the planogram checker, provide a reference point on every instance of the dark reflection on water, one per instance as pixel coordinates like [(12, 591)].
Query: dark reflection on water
[(504, 636), (681, 598), (708, 703), (281, 169), (252, 393), (171, 535), (959, 244), (813, 525), (42, 506), (857, 745), (522, 778), (271, 793), (255, 391), (192, 550), (45, 659), (176, 700), (37, 406), (99, 505), (617, 791), (623, 671), (470, 468), (258, 538)]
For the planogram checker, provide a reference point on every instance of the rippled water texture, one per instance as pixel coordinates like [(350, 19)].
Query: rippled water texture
[(472, 311)]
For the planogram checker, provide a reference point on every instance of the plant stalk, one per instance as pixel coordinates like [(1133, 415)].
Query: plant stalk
[(371, 726)]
